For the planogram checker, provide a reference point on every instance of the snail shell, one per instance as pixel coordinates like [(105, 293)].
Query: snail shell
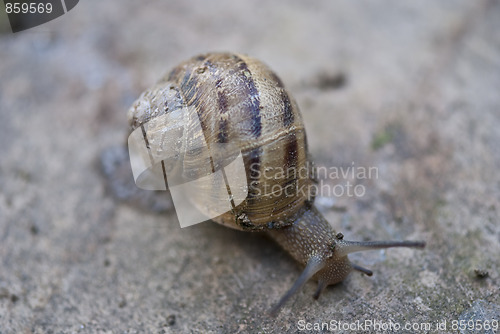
[(240, 101)]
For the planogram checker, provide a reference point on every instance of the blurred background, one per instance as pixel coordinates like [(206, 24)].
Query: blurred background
[(408, 87)]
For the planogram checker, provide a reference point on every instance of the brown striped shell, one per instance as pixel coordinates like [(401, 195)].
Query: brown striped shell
[(241, 102)]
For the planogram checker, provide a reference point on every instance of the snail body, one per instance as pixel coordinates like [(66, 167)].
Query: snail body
[(241, 103)]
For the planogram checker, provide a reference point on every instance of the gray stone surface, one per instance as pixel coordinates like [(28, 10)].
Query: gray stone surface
[(419, 100)]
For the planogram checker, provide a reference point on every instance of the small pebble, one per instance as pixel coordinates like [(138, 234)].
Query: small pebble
[(481, 273)]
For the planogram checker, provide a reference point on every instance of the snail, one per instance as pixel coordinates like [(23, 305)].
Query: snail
[(240, 102)]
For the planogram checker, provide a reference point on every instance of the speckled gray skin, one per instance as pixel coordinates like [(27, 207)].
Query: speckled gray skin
[(313, 243)]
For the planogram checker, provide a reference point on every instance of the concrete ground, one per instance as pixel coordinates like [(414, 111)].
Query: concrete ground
[(411, 88)]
